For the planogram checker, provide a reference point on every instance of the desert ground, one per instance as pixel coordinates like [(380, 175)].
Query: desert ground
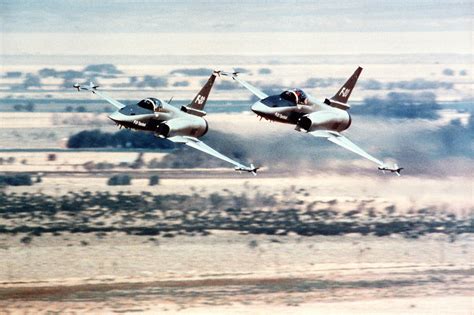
[(237, 270), (235, 274)]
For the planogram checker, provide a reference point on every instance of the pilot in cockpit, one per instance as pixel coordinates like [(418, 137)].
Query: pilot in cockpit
[(151, 103), (157, 105), (296, 96), (301, 97)]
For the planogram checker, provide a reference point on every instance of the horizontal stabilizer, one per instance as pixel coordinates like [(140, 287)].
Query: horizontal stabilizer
[(193, 111), (337, 104)]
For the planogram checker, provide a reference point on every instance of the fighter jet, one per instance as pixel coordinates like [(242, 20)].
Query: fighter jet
[(184, 125), (325, 119)]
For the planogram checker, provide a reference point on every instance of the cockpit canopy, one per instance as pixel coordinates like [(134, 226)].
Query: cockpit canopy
[(296, 96), (150, 103), (287, 99)]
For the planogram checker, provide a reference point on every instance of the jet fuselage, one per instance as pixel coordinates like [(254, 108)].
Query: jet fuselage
[(306, 114), (157, 116)]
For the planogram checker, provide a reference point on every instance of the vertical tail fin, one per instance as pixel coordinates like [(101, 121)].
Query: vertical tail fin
[(342, 96), (200, 99)]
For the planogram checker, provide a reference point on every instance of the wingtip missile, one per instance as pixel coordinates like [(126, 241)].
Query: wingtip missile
[(235, 72), (394, 169), (91, 87), (232, 74), (251, 169)]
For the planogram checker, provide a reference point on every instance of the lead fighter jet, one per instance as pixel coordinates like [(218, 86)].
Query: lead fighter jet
[(325, 119), (184, 125)]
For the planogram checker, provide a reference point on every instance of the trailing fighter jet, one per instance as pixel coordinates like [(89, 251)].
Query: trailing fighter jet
[(325, 119), (184, 125)]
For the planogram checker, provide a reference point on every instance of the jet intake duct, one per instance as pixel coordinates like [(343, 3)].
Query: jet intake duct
[(189, 126), (305, 123), (163, 130), (336, 120)]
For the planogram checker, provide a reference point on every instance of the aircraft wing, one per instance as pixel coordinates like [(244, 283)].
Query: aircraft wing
[(109, 99), (93, 88), (248, 86), (339, 139), (201, 146)]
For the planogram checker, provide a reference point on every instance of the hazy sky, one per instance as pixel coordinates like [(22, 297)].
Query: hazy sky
[(237, 16), (237, 43), (108, 27)]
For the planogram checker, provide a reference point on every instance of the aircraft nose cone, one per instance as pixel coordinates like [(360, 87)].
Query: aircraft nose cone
[(115, 116), (259, 108)]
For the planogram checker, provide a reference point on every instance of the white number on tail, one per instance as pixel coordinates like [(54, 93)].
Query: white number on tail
[(200, 99), (344, 92)]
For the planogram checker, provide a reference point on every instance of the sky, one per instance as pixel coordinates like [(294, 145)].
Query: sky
[(248, 44), (53, 27), (120, 16)]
